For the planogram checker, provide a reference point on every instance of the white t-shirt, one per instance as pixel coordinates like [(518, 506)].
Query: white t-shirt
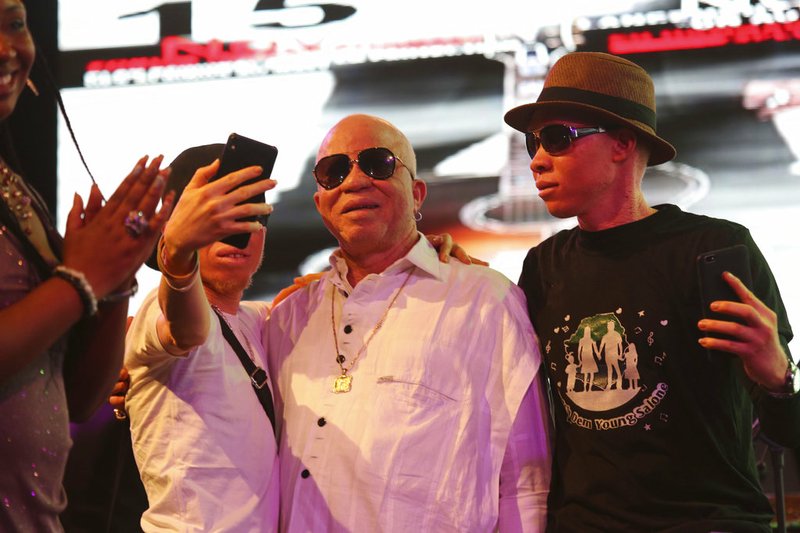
[(204, 446)]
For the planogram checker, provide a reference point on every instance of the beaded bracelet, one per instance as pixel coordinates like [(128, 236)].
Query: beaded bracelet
[(81, 285)]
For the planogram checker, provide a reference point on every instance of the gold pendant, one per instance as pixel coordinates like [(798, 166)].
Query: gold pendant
[(342, 383)]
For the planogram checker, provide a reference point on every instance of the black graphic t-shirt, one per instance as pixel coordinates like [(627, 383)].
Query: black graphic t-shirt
[(652, 430)]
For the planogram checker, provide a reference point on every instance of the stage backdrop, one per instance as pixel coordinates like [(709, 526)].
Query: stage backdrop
[(147, 77)]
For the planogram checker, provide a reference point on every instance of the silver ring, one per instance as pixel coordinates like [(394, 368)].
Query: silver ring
[(135, 223), (119, 414)]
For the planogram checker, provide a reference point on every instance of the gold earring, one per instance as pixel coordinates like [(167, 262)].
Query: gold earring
[(32, 87)]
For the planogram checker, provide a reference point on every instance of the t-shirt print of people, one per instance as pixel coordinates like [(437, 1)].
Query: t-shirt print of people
[(586, 361), (611, 345), (601, 370), (598, 376)]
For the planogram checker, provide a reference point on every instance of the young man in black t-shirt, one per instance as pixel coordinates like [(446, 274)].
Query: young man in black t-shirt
[(653, 413)]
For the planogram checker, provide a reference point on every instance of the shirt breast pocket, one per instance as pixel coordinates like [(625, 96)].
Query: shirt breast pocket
[(409, 394), (422, 375)]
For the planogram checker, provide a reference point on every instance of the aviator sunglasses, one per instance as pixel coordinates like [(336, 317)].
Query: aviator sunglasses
[(557, 138), (377, 163)]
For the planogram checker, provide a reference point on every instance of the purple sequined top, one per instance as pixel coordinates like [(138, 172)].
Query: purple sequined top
[(34, 423)]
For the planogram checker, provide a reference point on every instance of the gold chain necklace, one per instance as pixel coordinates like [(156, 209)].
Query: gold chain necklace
[(344, 382), (15, 196)]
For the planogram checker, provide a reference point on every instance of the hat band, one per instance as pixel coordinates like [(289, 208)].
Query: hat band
[(619, 106)]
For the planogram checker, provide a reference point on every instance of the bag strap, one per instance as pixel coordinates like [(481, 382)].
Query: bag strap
[(258, 376)]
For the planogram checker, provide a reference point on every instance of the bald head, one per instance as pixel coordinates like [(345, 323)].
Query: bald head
[(356, 132)]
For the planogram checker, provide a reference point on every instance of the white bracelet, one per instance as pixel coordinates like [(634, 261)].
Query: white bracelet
[(183, 288), (169, 278), (81, 286)]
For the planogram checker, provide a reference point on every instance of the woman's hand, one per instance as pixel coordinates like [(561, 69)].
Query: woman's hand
[(104, 242)]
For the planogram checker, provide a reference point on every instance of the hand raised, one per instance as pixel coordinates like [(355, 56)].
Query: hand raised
[(209, 211), (97, 241)]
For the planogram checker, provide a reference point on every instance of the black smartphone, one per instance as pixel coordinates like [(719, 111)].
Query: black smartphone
[(241, 152), (711, 265)]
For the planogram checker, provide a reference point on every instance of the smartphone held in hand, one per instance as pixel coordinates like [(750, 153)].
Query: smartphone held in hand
[(241, 152), (711, 265)]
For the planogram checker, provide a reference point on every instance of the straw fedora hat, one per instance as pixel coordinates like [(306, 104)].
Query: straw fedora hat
[(609, 88)]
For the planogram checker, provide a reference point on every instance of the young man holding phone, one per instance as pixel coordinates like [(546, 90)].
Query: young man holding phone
[(670, 446), (204, 442)]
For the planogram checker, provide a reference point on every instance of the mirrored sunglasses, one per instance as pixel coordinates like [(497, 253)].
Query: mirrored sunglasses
[(377, 163), (557, 138)]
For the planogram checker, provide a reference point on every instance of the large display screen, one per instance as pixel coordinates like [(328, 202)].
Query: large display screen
[(149, 77)]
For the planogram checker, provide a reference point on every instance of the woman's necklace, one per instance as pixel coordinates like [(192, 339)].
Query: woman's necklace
[(15, 196), (344, 381)]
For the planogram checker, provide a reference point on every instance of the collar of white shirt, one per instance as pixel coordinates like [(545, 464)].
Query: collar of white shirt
[(422, 255)]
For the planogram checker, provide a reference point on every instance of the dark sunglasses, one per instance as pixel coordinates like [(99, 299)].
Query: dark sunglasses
[(556, 138), (377, 163)]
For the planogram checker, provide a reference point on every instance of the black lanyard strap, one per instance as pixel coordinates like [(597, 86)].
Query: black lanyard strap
[(258, 376)]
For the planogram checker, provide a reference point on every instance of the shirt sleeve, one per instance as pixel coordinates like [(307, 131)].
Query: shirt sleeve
[(525, 472), (142, 345)]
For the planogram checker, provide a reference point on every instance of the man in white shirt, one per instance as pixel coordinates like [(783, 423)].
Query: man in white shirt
[(408, 391), (203, 442)]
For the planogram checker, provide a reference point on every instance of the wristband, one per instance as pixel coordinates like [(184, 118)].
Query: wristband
[(81, 286)]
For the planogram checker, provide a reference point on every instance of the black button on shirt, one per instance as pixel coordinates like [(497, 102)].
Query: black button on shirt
[(305, 474), (321, 422), (348, 328)]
